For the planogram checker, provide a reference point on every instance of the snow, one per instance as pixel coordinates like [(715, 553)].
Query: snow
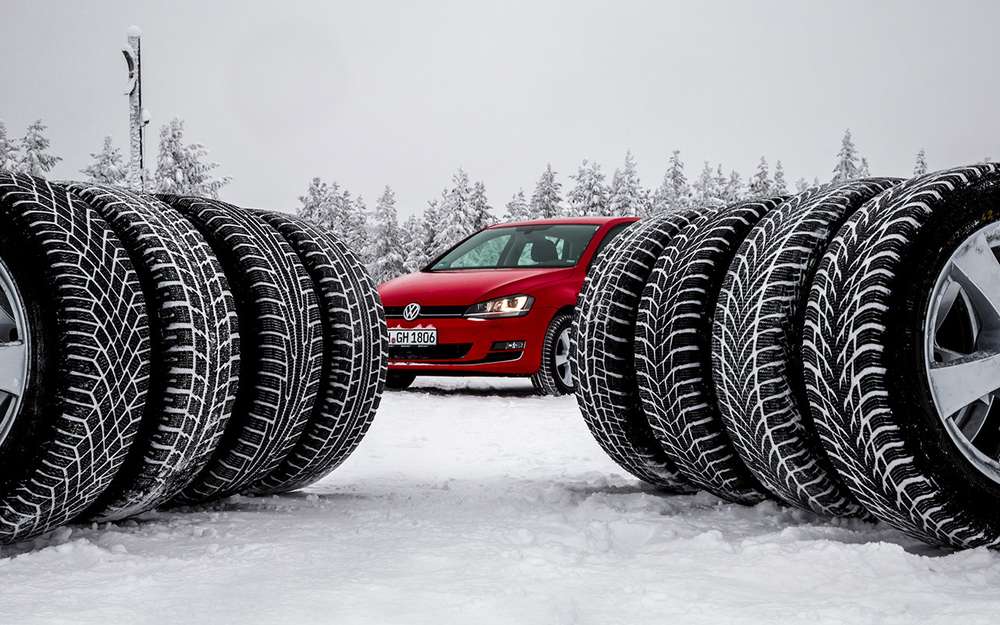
[(475, 502), (134, 31)]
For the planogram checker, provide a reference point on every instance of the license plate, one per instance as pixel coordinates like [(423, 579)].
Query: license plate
[(415, 336)]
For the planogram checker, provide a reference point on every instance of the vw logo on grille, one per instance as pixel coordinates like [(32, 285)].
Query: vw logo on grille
[(411, 312)]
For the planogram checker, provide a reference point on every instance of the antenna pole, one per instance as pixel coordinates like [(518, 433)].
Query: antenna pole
[(137, 118)]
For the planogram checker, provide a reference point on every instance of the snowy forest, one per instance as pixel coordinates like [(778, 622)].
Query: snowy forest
[(391, 248)]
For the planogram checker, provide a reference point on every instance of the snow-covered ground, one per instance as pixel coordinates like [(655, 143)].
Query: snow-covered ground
[(475, 502)]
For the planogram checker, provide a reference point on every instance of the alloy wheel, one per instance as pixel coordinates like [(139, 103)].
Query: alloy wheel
[(14, 350), (962, 350)]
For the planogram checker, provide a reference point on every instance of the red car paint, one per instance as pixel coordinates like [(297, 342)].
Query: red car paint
[(444, 296)]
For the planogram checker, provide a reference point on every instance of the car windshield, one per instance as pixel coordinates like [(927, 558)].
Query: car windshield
[(554, 245)]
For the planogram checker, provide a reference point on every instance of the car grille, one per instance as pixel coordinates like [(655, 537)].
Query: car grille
[(445, 351), (396, 312)]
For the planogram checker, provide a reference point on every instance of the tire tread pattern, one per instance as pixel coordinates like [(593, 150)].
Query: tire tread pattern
[(603, 337), (755, 346), (673, 350), (281, 345), (355, 340), (195, 346)]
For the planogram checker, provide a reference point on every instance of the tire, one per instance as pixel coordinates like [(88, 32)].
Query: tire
[(673, 350), (281, 347), (355, 356), (195, 343), (88, 362), (603, 350), (756, 342), (556, 358), (399, 380), (863, 349)]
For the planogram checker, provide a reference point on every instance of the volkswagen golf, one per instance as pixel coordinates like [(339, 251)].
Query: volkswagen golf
[(499, 303)]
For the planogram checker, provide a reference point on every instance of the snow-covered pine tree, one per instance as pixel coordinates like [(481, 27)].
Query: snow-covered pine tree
[(185, 169), (760, 183), (863, 170), (456, 220), (388, 258), (847, 167), (801, 185), (479, 208), (706, 188), (674, 193), (645, 207), (430, 226), (780, 185), (356, 234), (517, 208), (734, 191), (920, 167), (413, 244), (589, 195), (721, 183), (546, 201), (316, 206), (108, 166), (8, 150), (34, 158), (626, 196)]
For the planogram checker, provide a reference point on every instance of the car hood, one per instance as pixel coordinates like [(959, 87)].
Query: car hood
[(467, 287)]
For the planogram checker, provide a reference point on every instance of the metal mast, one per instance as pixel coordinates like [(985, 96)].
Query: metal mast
[(137, 117)]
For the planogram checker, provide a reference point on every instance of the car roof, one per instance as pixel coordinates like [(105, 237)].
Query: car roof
[(595, 221)]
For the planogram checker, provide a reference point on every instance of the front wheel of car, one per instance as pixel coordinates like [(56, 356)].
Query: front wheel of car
[(555, 375)]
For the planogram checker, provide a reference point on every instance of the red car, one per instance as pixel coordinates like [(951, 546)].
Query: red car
[(500, 303)]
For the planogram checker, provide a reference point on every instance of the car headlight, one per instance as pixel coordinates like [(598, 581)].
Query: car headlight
[(511, 306)]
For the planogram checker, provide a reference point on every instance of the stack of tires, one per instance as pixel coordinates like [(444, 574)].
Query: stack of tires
[(837, 351), (171, 350)]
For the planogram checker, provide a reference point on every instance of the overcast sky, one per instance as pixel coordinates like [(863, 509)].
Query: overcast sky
[(403, 93)]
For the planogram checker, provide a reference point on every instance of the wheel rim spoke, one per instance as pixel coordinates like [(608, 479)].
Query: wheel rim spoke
[(13, 362), (564, 371), (7, 322), (948, 355), (948, 297), (976, 270), (959, 383), (972, 422)]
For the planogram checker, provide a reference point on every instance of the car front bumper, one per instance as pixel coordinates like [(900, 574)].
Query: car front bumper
[(473, 346)]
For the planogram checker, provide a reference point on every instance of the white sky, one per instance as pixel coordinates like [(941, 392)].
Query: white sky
[(370, 93)]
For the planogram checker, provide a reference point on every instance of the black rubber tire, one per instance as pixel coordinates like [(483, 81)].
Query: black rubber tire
[(355, 356), (195, 346), (604, 331), (756, 339), (399, 380), (673, 350), (281, 346), (547, 380), (90, 356), (863, 358)]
